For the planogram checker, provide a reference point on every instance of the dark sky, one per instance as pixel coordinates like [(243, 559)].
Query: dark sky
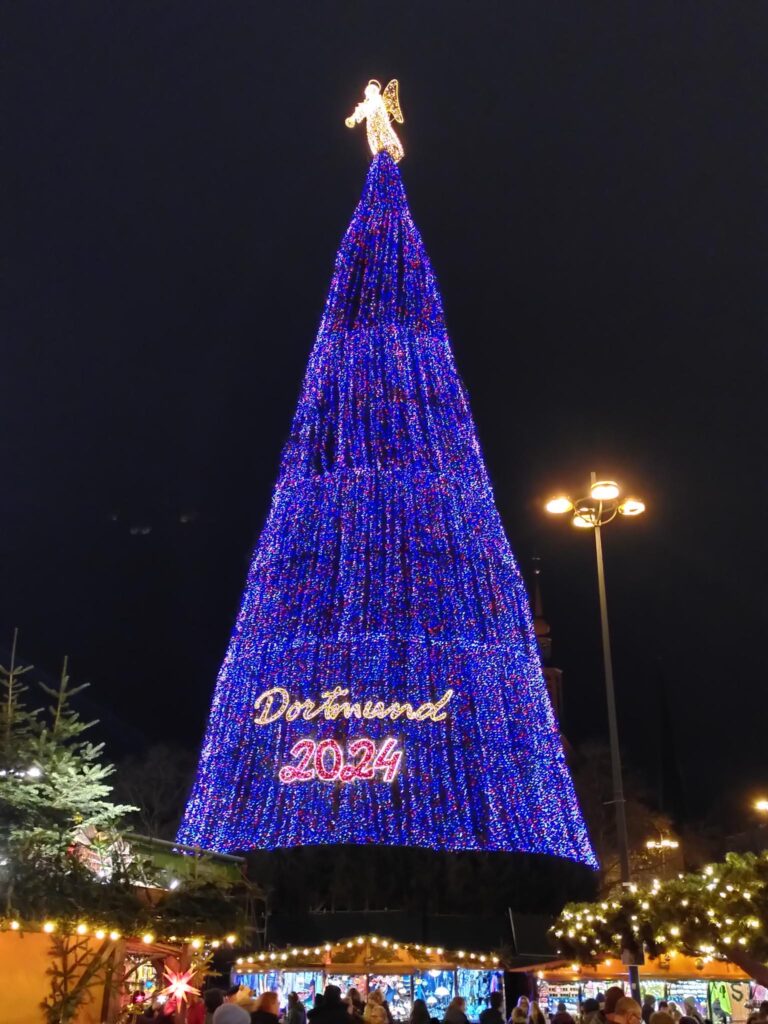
[(590, 181)]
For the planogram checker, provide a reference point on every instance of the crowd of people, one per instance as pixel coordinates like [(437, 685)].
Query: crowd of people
[(613, 1007), (238, 1006)]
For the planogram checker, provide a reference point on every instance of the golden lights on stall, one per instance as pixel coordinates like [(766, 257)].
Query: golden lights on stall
[(346, 951), (101, 932)]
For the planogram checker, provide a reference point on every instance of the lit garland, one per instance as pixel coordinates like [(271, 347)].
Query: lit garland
[(384, 570), (719, 912), (374, 948), (101, 932)]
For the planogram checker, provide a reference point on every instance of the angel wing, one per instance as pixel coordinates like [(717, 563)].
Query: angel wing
[(391, 97)]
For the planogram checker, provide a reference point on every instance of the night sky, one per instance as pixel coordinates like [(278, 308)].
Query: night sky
[(590, 182)]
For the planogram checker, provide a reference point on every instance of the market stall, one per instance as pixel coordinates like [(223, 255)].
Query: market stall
[(721, 991), (402, 971)]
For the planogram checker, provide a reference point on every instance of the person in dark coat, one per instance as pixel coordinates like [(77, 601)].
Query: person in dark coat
[(562, 1016), (316, 1006), (296, 1014), (492, 1014), (266, 1009), (356, 1004), (331, 1010), (420, 1013)]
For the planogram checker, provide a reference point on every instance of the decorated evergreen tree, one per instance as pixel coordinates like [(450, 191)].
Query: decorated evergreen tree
[(721, 911), (382, 684)]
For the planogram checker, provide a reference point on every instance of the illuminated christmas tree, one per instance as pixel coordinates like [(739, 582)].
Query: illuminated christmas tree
[(382, 683)]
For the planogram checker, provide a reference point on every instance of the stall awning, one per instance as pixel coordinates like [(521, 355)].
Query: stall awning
[(671, 968), (365, 953)]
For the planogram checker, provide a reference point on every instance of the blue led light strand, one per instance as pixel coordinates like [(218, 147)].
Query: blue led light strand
[(384, 569)]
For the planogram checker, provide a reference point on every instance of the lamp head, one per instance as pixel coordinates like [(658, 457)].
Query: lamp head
[(557, 506), (631, 507), (604, 490)]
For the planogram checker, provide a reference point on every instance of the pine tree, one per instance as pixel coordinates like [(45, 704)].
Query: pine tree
[(54, 787), (382, 684)]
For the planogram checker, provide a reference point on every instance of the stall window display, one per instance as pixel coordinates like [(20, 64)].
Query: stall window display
[(259, 981), (728, 1001), (306, 985), (657, 989), (595, 989), (347, 981), (436, 988), (690, 988), (476, 988), (551, 994), (141, 975), (396, 989)]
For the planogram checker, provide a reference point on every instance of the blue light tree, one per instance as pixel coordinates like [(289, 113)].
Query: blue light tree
[(382, 683)]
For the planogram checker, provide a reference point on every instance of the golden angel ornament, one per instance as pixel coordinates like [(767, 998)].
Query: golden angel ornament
[(378, 110)]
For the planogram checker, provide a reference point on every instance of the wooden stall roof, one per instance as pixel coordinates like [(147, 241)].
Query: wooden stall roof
[(365, 954), (671, 968)]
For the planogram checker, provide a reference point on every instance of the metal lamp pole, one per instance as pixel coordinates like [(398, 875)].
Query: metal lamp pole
[(596, 511)]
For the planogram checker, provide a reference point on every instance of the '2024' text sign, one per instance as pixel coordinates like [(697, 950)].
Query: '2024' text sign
[(364, 759)]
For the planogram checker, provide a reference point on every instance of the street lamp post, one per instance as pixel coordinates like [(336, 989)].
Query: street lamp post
[(660, 847), (594, 511)]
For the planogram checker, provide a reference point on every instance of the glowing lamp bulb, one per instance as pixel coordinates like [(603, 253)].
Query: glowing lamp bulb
[(604, 490), (761, 805), (48, 927), (15, 926), (99, 933), (631, 507), (582, 522), (81, 929), (231, 939), (114, 936), (148, 938), (557, 506)]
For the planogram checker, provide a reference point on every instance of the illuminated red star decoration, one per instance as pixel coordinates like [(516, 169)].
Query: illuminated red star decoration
[(178, 986)]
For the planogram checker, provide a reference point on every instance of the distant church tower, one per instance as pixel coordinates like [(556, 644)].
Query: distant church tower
[(553, 677)]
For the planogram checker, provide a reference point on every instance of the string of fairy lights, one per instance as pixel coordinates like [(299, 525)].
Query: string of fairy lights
[(103, 932), (383, 575), (714, 913), (348, 950)]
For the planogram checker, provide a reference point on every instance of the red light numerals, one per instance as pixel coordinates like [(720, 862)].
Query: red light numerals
[(325, 761)]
